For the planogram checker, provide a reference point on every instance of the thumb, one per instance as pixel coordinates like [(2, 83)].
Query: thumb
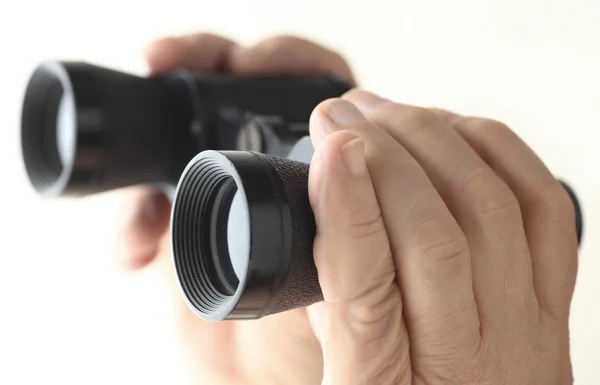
[(359, 324)]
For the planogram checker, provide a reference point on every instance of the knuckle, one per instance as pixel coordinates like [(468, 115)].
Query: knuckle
[(323, 59), (337, 63), (388, 151), (365, 222), (556, 310), (380, 354), (483, 128), (495, 127), (490, 196), (375, 320), (277, 42), (357, 93), (277, 45), (499, 203), (438, 240), (338, 57), (423, 117), (445, 249), (461, 360), (412, 117), (483, 125), (205, 37), (445, 116), (555, 203), (375, 309)]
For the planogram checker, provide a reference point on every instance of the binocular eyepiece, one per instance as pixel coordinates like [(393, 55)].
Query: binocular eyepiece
[(232, 152)]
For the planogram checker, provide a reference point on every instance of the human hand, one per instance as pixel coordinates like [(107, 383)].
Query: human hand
[(446, 250), (446, 263), (277, 349)]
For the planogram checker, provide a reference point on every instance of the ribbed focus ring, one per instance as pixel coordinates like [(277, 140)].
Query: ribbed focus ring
[(202, 183), (191, 244)]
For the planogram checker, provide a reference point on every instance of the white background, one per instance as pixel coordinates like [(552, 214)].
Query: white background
[(69, 316)]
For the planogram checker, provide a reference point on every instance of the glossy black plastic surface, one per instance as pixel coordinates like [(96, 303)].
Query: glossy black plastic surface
[(127, 130)]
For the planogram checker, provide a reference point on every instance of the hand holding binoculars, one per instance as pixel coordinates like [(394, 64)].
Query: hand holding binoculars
[(232, 152)]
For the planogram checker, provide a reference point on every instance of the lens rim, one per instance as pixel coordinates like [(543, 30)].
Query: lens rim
[(261, 282), (34, 150)]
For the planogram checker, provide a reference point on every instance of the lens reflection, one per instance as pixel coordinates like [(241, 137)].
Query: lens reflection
[(238, 235), (65, 129), (230, 240)]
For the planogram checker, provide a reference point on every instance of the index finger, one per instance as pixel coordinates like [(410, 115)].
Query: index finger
[(280, 55)]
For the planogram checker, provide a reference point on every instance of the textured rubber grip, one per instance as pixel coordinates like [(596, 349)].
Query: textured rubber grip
[(301, 285)]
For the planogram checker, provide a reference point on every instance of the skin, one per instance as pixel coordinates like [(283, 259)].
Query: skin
[(446, 250)]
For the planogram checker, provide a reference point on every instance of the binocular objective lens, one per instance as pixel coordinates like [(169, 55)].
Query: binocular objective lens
[(230, 236)]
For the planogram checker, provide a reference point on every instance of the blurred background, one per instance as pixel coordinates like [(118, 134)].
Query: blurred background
[(69, 315)]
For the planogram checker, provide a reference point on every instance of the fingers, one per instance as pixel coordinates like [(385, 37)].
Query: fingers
[(201, 52), (291, 56), (361, 326), (145, 220), (205, 52), (483, 204), (431, 253), (547, 209)]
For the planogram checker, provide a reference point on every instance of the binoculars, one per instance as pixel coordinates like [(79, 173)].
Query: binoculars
[(232, 153)]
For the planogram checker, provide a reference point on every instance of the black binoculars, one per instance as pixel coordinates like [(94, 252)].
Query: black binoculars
[(232, 153)]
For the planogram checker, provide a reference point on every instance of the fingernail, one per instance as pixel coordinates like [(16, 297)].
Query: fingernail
[(353, 156), (343, 112), (367, 100)]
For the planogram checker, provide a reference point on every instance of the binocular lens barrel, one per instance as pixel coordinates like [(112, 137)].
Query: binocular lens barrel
[(88, 129)]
